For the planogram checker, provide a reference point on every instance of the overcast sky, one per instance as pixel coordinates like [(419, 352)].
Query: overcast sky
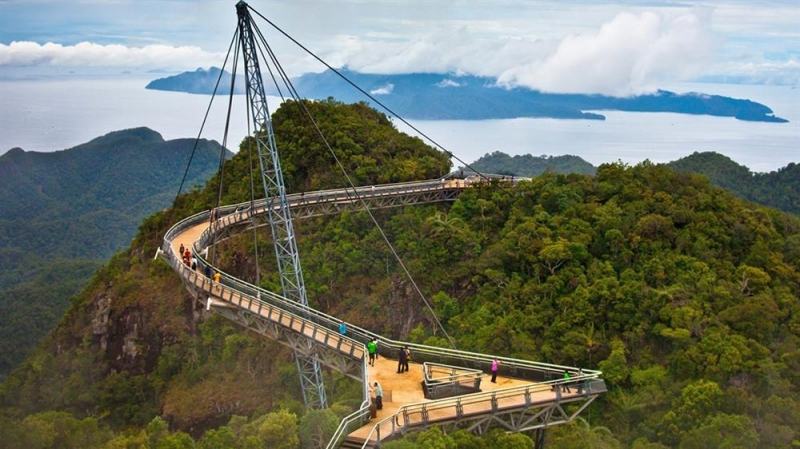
[(614, 47)]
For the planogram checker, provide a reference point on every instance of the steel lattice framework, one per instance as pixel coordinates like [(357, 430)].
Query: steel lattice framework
[(278, 213)]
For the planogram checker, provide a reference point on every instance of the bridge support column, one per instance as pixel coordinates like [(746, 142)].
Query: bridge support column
[(311, 381), (538, 438)]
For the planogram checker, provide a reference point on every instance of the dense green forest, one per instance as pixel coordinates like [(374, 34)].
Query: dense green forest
[(683, 294), (63, 213), (779, 189), (528, 165)]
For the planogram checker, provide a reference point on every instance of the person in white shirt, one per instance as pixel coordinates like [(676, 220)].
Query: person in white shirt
[(378, 395)]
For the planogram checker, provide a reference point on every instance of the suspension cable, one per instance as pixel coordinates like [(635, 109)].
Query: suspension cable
[(301, 103), (252, 196), (271, 75), (367, 94), (205, 117), (213, 217)]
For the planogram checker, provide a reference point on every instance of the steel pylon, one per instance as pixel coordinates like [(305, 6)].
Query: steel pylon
[(278, 212)]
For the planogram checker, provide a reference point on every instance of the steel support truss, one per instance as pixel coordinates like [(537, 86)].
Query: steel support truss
[(532, 417), (301, 345), (278, 213)]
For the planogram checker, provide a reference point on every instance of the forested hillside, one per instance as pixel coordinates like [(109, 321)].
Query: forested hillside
[(63, 213), (528, 165), (684, 295), (779, 189)]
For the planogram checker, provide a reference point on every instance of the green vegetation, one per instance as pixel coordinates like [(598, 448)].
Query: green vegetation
[(528, 165), (779, 189), (684, 295), (63, 213)]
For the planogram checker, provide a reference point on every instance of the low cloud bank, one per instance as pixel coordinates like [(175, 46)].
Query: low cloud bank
[(88, 54), (629, 54)]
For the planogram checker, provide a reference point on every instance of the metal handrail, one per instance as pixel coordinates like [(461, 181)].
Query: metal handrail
[(493, 398), (454, 376), (364, 335), (229, 215)]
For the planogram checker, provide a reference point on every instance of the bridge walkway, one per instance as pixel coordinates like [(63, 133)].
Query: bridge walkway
[(527, 395)]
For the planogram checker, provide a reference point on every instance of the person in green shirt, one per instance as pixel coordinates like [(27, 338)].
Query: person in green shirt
[(566, 385), (372, 350)]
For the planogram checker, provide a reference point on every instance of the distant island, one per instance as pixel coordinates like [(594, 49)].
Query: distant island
[(779, 189), (200, 81), (431, 96)]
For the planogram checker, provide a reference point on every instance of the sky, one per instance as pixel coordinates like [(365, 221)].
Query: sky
[(627, 47)]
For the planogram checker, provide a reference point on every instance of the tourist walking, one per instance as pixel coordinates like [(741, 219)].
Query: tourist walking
[(495, 367), (378, 395), (372, 350), (343, 328), (566, 384), (194, 263), (216, 285)]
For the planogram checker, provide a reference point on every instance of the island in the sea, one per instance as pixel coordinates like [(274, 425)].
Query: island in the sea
[(434, 96)]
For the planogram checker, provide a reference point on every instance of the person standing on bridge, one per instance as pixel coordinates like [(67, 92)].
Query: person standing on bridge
[(378, 395), (343, 328), (402, 359), (180, 250), (495, 367), (194, 263), (566, 383), (217, 277), (372, 350)]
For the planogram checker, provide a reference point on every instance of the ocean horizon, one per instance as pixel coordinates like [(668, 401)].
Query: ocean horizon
[(52, 115)]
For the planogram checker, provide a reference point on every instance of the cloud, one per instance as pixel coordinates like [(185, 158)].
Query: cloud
[(631, 53), (628, 54), (383, 90), (88, 54), (781, 72), (447, 82)]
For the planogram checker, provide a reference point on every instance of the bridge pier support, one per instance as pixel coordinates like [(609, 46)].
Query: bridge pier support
[(538, 438)]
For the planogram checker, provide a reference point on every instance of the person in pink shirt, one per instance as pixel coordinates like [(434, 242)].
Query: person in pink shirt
[(495, 367)]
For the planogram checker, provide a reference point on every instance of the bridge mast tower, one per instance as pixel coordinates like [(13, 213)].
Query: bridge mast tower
[(278, 214)]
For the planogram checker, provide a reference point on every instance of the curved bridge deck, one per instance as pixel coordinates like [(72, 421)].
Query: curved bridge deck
[(527, 395)]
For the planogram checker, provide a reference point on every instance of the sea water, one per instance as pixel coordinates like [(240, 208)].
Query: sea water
[(50, 115)]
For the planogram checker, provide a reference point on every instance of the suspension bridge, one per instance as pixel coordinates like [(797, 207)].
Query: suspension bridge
[(444, 386)]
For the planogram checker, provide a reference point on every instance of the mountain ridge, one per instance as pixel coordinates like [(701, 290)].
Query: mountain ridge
[(62, 213), (778, 188), (684, 295)]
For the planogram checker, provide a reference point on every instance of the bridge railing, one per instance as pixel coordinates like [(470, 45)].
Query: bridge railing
[(511, 367), (229, 215), (424, 413), (442, 381), (246, 300)]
